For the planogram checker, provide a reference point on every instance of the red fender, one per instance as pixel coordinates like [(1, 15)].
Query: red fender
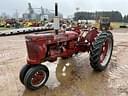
[(90, 37)]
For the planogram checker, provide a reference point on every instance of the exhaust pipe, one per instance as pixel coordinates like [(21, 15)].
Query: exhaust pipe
[(56, 9), (56, 20)]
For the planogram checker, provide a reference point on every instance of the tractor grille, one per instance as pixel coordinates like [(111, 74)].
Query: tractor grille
[(32, 50)]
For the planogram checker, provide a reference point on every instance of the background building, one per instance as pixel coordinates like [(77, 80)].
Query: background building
[(115, 16), (39, 13)]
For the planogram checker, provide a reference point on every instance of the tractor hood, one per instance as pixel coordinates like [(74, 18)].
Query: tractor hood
[(49, 38), (40, 37)]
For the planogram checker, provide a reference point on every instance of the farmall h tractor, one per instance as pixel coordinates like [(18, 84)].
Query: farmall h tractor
[(48, 46)]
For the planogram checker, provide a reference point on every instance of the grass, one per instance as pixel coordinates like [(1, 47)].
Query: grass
[(117, 25), (114, 25), (2, 28)]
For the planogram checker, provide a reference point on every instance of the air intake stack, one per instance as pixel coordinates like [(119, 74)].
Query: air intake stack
[(56, 20)]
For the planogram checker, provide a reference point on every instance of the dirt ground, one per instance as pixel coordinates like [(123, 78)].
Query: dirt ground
[(72, 77)]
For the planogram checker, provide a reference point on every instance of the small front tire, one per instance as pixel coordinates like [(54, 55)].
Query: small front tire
[(23, 71), (36, 77)]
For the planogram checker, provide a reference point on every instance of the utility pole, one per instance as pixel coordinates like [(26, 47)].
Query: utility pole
[(16, 14)]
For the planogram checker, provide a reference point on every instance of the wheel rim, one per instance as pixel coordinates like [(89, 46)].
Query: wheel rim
[(106, 52), (38, 78)]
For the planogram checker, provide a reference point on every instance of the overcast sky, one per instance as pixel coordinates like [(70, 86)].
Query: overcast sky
[(66, 7)]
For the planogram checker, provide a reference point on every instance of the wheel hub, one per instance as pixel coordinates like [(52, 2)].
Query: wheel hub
[(38, 78), (105, 52)]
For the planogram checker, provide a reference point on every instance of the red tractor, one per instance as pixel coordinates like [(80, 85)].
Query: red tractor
[(48, 46)]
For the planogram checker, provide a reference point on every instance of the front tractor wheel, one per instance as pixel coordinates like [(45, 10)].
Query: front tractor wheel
[(36, 77), (23, 71), (101, 51)]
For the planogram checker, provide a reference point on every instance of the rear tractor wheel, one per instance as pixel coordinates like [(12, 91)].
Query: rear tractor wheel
[(101, 51)]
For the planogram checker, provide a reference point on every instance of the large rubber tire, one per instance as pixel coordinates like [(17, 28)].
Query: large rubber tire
[(96, 50), (31, 75), (23, 71)]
